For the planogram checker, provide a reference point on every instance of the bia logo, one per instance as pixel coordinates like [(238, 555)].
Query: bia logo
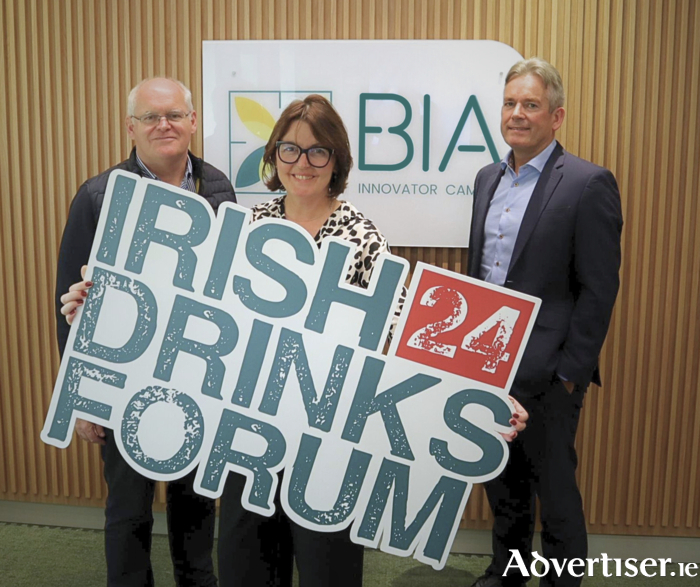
[(472, 106), (252, 116)]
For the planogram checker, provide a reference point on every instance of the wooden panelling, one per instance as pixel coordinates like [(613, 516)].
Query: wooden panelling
[(631, 73)]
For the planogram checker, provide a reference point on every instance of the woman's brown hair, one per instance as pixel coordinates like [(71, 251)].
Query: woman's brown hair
[(328, 129)]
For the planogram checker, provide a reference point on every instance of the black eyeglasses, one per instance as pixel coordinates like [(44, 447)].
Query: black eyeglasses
[(291, 153)]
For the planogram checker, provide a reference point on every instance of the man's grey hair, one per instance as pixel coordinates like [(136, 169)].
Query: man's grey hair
[(131, 100), (547, 73)]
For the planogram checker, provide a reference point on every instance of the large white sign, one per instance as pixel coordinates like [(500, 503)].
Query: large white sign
[(423, 117), (212, 343)]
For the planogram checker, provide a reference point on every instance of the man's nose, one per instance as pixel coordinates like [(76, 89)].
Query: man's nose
[(163, 122), (518, 111)]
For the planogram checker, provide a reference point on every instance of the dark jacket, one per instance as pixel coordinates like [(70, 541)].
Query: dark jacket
[(84, 213), (568, 254)]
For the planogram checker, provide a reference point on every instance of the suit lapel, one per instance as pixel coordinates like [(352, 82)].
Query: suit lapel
[(481, 208), (549, 179)]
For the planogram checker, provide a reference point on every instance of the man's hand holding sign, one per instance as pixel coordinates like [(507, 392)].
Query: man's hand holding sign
[(278, 366)]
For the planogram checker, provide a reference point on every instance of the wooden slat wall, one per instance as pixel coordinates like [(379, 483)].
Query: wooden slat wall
[(631, 73)]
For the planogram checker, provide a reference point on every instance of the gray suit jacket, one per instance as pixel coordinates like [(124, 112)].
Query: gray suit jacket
[(568, 254)]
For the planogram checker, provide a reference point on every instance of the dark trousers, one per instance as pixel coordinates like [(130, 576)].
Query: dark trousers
[(129, 521), (542, 463), (256, 551)]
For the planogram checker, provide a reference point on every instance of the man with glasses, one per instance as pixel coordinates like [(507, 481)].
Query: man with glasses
[(161, 121)]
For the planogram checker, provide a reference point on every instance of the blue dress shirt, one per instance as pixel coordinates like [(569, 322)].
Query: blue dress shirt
[(506, 212)]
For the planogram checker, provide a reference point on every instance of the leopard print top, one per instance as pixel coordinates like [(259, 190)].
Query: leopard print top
[(348, 223)]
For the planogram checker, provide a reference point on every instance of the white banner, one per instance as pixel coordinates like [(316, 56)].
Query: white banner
[(208, 342), (423, 117)]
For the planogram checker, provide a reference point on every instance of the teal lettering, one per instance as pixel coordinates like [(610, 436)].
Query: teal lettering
[(290, 351), (472, 104), (146, 320), (70, 400), (449, 493), (426, 132), (290, 281), (378, 306), (146, 233), (367, 402), (252, 363), (193, 429), (122, 192), (492, 448), (175, 342), (349, 490), (226, 248), (261, 490), (399, 129)]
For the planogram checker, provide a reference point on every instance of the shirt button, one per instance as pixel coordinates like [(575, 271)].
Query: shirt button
[(507, 209), (516, 184), (498, 263), (500, 236)]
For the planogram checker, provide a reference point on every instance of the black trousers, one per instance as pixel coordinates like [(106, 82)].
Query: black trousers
[(542, 464), (129, 521), (256, 551)]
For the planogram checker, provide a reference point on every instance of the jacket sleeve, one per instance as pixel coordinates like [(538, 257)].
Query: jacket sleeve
[(595, 269), (73, 253)]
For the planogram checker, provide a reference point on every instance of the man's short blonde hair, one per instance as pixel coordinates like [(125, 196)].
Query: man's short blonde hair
[(547, 73)]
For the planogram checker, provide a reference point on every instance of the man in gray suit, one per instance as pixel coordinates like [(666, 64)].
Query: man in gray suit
[(548, 224)]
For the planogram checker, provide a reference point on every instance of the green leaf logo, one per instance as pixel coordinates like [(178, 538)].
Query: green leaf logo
[(249, 172)]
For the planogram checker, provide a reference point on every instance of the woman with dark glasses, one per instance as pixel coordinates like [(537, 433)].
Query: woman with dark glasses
[(308, 156)]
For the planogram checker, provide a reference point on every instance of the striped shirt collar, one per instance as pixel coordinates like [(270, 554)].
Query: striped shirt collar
[(187, 181)]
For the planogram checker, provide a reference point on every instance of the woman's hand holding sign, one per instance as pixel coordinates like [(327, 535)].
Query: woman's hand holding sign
[(518, 421)]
